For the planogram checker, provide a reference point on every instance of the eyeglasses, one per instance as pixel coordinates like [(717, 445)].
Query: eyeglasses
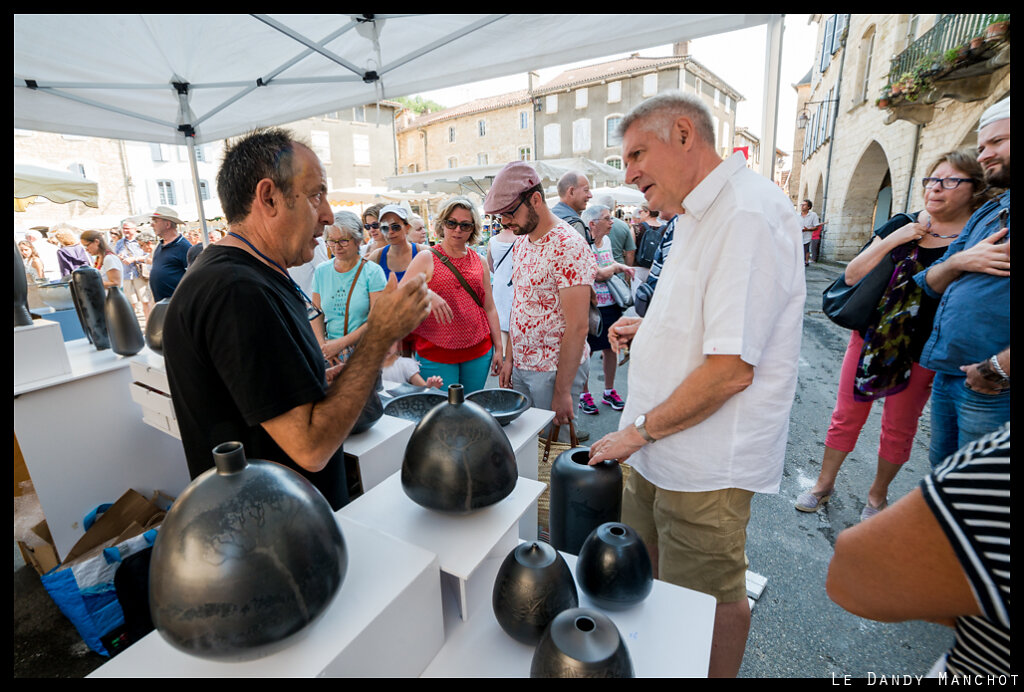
[(465, 226), (392, 228), (509, 214), (368, 226), (343, 241), (947, 183)]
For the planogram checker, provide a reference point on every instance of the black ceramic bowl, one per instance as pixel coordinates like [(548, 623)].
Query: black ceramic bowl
[(414, 406), (504, 404)]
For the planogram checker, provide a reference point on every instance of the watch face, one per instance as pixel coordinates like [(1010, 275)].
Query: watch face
[(640, 420)]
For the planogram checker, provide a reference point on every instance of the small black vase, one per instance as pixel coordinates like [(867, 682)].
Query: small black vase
[(87, 289), (155, 326), (22, 317), (122, 325), (533, 586), (581, 643), (614, 568), (582, 497), (458, 458), (372, 410), (249, 556)]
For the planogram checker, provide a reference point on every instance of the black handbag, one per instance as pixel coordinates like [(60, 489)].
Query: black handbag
[(853, 307)]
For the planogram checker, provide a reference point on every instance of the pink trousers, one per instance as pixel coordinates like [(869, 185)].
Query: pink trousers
[(900, 414)]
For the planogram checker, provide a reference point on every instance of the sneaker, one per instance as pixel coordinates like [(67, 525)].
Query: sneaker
[(587, 404), (613, 400)]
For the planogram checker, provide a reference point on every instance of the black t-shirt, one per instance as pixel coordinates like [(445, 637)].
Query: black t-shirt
[(239, 351)]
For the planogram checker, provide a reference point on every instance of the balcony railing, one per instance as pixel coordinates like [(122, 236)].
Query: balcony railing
[(950, 31)]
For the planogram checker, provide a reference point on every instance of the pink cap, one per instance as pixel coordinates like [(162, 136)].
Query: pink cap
[(512, 180)]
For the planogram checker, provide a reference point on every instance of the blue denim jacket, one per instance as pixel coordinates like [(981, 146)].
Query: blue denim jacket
[(973, 319)]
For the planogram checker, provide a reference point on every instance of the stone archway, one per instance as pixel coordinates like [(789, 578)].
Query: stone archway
[(868, 191)]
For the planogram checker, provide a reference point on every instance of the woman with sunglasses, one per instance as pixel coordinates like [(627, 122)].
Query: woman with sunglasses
[(461, 339), (882, 361), (344, 288), (371, 225), (104, 258), (395, 257)]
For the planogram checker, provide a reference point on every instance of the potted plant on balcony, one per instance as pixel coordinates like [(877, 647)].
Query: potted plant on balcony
[(999, 28)]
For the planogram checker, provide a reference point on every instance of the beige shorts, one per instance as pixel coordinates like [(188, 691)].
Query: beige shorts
[(700, 536), (139, 287)]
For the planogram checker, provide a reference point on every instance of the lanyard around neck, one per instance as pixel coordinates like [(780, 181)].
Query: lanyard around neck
[(294, 284)]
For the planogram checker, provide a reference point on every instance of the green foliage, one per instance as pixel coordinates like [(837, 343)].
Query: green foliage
[(420, 105)]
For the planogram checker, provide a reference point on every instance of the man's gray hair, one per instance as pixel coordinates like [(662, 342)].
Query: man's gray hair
[(606, 200), (349, 224), (570, 179), (658, 114), (593, 213)]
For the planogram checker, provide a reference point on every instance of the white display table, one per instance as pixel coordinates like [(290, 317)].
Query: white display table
[(522, 434), (379, 451), (385, 622), (84, 443)]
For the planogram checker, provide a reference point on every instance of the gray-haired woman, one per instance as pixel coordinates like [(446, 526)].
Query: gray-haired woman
[(344, 288)]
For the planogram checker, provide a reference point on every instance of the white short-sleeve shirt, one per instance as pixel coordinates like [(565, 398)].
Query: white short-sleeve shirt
[(733, 285)]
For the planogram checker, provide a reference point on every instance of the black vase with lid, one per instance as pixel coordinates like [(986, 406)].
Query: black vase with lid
[(533, 585), (458, 458), (614, 567), (582, 497), (247, 558), (581, 643)]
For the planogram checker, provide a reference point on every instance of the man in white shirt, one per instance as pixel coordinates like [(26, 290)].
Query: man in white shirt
[(714, 361)]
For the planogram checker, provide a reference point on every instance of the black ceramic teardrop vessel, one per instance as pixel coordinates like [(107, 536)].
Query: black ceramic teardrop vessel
[(90, 299), (373, 409), (533, 586), (582, 497), (248, 557), (614, 568), (122, 325), (581, 643), (155, 326), (458, 458)]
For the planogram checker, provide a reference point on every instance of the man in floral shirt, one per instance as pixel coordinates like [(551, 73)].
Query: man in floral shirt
[(552, 279)]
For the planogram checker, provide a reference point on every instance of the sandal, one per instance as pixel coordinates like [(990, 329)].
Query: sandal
[(811, 502), (870, 511)]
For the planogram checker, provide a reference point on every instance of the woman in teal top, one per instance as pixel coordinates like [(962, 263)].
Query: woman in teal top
[(344, 288)]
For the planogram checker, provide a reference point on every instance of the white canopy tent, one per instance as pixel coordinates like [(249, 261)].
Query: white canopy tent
[(57, 186), (189, 79)]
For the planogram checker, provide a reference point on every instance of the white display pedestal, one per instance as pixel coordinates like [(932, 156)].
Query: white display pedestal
[(84, 443), (461, 542), (39, 353), (668, 635), (522, 434), (385, 622), (379, 451)]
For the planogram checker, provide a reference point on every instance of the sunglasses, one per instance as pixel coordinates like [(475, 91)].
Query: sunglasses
[(368, 226), (392, 228), (466, 226)]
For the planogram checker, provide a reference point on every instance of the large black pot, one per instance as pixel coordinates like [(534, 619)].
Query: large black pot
[(249, 555), (533, 586), (373, 409), (122, 325), (582, 497), (581, 643), (155, 326), (614, 568), (90, 299), (458, 458)]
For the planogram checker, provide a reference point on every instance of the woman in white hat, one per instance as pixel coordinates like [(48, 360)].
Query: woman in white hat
[(395, 257)]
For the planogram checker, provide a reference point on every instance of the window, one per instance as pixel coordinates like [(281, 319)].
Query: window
[(611, 131), (359, 114), (451, 134), (333, 115), (690, 79), (200, 156), (525, 154), (481, 128), (552, 139), (650, 85), (158, 151), (165, 190), (77, 169), (581, 135), (614, 162), (524, 120), (551, 103), (614, 92), (867, 47), (320, 143), (581, 98), (204, 190), (481, 159), (361, 150), (453, 162), (831, 40)]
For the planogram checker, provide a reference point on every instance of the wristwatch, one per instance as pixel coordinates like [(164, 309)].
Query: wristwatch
[(639, 423)]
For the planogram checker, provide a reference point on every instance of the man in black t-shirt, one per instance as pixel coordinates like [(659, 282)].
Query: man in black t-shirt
[(242, 361)]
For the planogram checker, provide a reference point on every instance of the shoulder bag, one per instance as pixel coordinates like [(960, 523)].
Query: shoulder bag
[(458, 275), (853, 307), (621, 294)]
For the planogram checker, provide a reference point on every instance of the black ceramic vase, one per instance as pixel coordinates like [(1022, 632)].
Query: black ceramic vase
[(90, 300), (155, 326), (22, 317), (249, 555), (581, 643), (372, 410), (458, 458), (582, 497), (614, 568), (533, 586), (122, 325)]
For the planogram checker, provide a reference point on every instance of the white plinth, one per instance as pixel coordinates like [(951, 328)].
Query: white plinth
[(385, 622), (522, 434), (668, 635), (461, 541), (39, 353), (380, 450)]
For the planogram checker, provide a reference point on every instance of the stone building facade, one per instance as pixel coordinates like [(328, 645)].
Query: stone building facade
[(860, 163)]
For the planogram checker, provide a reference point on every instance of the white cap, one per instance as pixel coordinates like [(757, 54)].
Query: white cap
[(997, 111)]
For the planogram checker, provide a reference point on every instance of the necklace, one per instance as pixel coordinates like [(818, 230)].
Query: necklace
[(936, 235)]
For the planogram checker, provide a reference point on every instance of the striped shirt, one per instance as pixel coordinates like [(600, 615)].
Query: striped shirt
[(970, 497)]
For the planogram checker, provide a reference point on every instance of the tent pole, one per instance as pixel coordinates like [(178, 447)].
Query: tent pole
[(195, 184), (772, 79)]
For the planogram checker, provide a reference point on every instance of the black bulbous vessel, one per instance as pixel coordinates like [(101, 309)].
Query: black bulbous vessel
[(614, 568), (90, 301), (533, 585), (155, 326), (582, 497), (247, 558), (458, 458), (581, 643), (22, 317), (373, 409), (122, 325)]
